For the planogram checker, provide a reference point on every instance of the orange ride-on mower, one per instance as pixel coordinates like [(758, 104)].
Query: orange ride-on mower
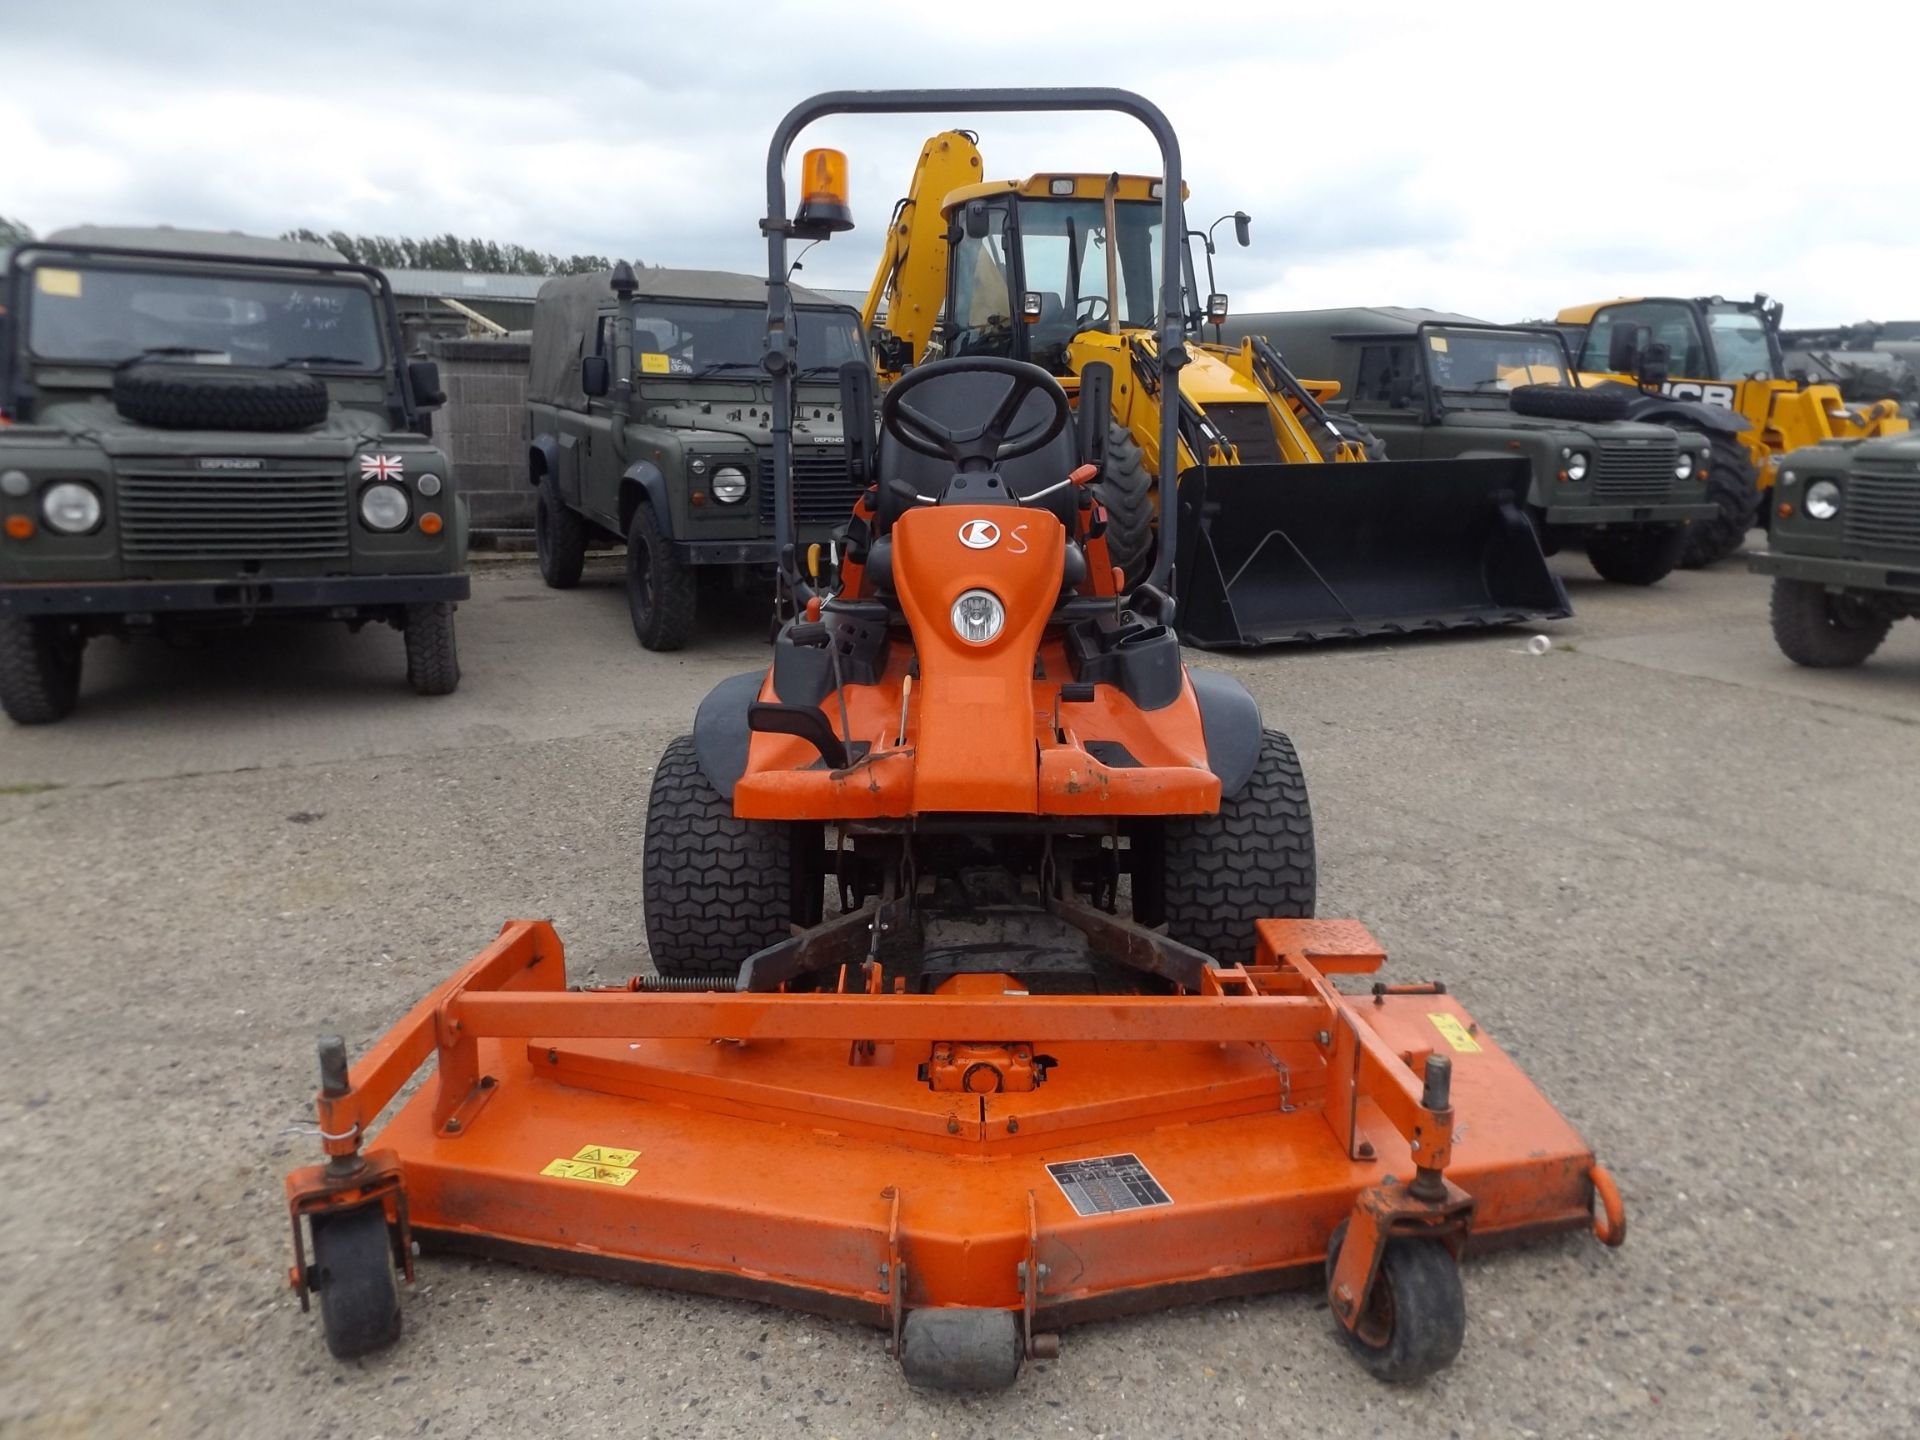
[(1065, 1044)]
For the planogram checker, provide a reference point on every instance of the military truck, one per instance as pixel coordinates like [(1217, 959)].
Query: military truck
[(209, 429), (649, 424), (1434, 385), (1843, 548)]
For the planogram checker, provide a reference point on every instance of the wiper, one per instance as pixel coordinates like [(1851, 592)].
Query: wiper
[(717, 366), (807, 370), (318, 360), (153, 351)]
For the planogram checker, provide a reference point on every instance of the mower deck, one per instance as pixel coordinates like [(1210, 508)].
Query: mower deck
[(846, 1152)]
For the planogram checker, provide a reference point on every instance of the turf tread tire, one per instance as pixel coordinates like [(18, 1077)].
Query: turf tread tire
[(715, 888), (204, 397), (1253, 859), (39, 669), (1809, 632)]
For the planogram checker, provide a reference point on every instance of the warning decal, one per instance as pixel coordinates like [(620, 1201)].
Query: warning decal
[(605, 1155), (596, 1174), (1455, 1033), (1108, 1184)]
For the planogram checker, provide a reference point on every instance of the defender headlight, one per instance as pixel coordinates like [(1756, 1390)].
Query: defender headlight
[(729, 485), (978, 617), (1577, 465), (1683, 467), (71, 508), (1823, 500), (383, 507)]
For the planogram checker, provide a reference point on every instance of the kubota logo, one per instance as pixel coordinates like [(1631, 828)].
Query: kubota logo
[(979, 534)]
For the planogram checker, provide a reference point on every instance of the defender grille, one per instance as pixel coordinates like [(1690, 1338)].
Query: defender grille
[(1250, 428), (1630, 473), (1881, 508), (174, 513), (822, 495)]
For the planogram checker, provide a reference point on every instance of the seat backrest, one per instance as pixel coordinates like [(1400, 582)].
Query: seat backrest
[(958, 399)]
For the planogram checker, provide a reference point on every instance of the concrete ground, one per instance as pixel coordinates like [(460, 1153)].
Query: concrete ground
[(1673, 874)]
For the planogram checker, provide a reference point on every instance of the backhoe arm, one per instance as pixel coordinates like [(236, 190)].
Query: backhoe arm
[(910, 281)]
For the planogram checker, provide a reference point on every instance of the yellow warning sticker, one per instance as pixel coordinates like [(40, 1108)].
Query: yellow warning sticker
[(1438, 342), (595, 1174), (1455, 1033), (605, 1155), (63, 283), (654, 363)]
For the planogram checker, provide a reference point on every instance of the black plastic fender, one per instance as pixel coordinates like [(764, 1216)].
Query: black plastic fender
[(653, 485), (720, 733), (1230, 719), (543, 459)]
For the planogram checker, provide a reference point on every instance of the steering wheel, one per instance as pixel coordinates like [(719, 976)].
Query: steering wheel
[(1089, 317), (989, 441)]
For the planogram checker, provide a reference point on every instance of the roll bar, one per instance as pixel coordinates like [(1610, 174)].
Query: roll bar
[(783, 340)]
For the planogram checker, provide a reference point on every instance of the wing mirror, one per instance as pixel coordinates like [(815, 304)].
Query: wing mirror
[(1242, 228), (1624, 347), (596, 376), (423, 378), (976, 220)]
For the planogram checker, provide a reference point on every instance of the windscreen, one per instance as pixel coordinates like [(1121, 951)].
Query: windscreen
[(1466, 363), (96, 314), (698, 340), (1064, 254), (1739, 342)]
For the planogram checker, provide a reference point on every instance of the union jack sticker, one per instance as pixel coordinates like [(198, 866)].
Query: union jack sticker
[(382, 467)]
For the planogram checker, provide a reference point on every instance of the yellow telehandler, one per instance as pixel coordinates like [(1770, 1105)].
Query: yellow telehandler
[(1717, 366), (1297, 526)]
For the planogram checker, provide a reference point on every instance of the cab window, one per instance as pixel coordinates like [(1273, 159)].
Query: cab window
[(1388, 374), (980, 312), (1668, 324)]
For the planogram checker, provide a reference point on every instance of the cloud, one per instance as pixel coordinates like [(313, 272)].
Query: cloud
[(1505, 160)]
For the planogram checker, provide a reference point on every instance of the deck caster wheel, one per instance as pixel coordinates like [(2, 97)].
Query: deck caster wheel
[(960, 1349), (358, 1282), (1416, 1316)]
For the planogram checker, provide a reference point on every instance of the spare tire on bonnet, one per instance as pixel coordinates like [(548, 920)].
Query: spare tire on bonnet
[(1569, 402), (202, 397)]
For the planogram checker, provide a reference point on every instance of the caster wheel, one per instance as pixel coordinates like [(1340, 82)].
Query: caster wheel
[(960, 1349), (1416, 1316), (358, 1282)]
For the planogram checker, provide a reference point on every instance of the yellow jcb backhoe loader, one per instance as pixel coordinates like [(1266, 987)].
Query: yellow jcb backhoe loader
[(1297, 526)]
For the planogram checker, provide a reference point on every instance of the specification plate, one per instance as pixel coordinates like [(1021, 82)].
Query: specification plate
[(1107, 1184)]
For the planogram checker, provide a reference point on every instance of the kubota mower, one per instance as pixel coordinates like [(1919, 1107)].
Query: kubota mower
[(1063, 1044)]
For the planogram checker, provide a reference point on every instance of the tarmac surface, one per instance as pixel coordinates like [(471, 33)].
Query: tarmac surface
[(1676, 876)]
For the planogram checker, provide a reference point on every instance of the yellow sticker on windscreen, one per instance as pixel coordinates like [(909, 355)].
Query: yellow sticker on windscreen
[(1438, 342), (654, 363), (63, 283), (1456, 1034)]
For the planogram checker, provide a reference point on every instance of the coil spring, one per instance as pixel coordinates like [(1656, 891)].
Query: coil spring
[(680, 984)]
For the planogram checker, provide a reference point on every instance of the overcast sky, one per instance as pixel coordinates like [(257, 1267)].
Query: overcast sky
[(1504, 160)]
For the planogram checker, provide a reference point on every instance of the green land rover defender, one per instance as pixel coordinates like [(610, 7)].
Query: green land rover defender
[(1843, 547), (1438, 386), (201, 428), (650, 423)]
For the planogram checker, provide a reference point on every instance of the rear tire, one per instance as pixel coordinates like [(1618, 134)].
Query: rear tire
[(1644, 555), (715, 887), (1733, 485), (1823, 631), (1125, 487), (660, 589), (559, 537), (39, 669), (433, 656), (359, 1283), (1253, 859)]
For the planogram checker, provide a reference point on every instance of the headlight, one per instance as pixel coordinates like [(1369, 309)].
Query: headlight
[(978, 617), (1577, 465), (383, 507), (71, 508), (1823, 500), (1683, 467), (729, 484), (427, 484)]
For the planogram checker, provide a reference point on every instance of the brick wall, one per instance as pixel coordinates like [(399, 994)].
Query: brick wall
[(483, 428)]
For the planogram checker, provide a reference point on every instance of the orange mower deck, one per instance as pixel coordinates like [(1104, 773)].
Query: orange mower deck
[(849, 1153)]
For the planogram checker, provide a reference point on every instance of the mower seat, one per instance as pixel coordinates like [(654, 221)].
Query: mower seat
[(965, 396)]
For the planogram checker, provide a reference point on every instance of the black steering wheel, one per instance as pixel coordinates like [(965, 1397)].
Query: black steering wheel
[(988, 442), (1088, 304)]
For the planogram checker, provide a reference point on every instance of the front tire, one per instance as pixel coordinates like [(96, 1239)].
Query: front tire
[(39, 669), (1733, 485), (1823, 631), (433, 656), (559, 537), (1252, 860), (660, 590), (1125, 487), (1644, 555), (715, 887)]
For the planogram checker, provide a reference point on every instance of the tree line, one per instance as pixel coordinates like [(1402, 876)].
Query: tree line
[(450, 252)]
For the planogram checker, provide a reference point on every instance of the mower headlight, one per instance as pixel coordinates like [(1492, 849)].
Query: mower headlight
[(1683, 467), (1577, 465), (1823, 500), (383, 507), (729, 485), (71, 508), (978, 617)]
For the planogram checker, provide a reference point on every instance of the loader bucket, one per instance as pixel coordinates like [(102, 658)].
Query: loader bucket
[(1272, 554)]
